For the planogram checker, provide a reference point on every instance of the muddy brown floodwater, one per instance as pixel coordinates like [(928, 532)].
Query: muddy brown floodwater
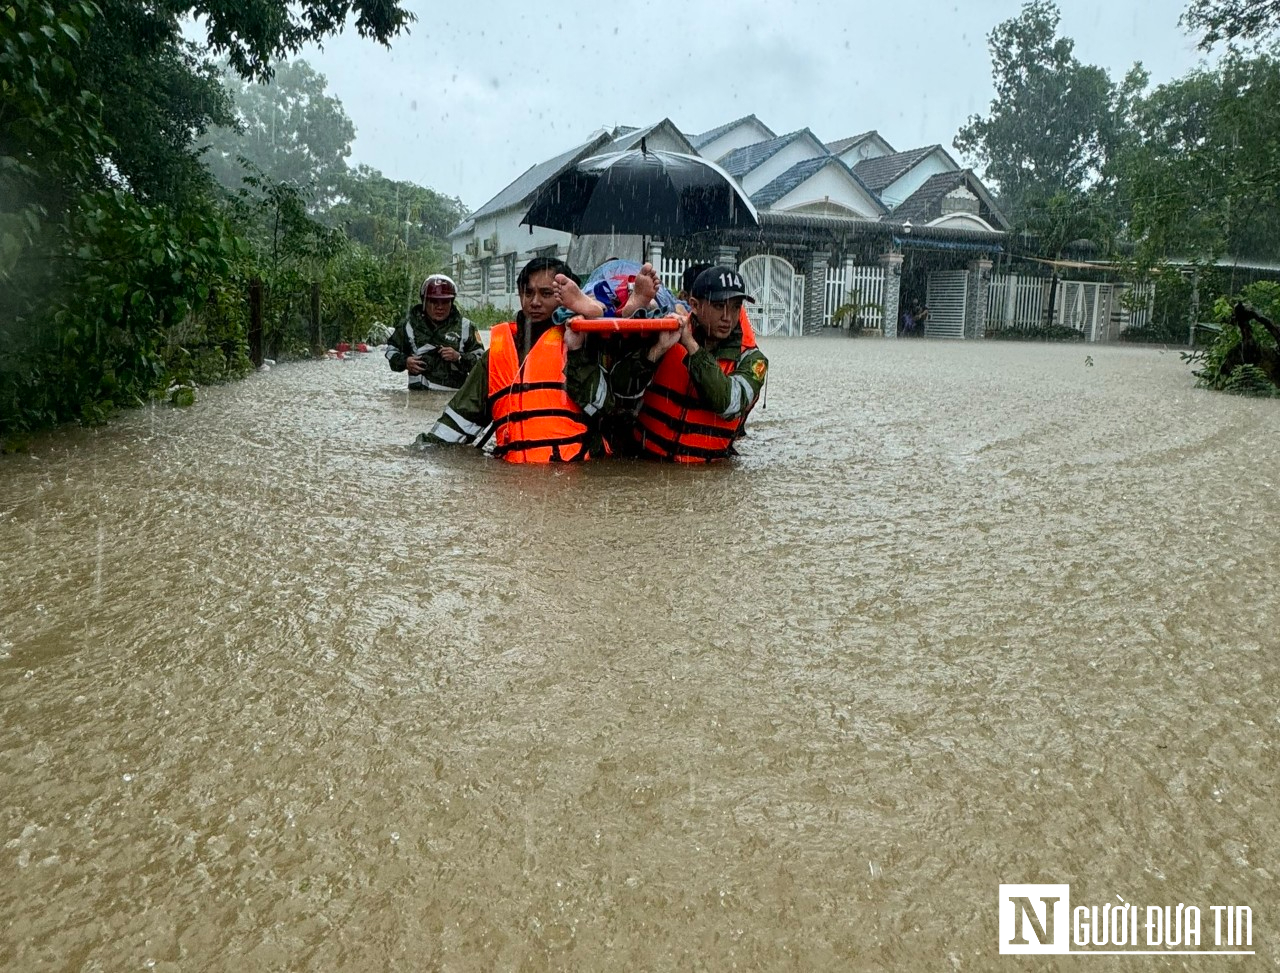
[(279, 693)]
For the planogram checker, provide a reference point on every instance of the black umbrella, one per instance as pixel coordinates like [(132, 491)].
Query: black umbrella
[(642, 192)]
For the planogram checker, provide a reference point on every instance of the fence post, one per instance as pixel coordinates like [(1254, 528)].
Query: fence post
[(317, 345), (255, 322)]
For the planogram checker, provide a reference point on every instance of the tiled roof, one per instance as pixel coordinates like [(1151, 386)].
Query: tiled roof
[(533, 178), (798, 173), (706, 138), (741, 161), (883, 172), (835, 148), (626, 137), (788, 181), (925, 204)]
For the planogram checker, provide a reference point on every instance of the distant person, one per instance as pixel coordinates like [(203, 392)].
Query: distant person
[(914, 318), (536, 399), (435, 344)]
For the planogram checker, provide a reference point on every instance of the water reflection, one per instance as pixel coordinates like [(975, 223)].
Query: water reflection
[(278, 689)]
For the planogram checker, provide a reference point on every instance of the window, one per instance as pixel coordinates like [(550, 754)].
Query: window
[(485, 266), (509, 265)]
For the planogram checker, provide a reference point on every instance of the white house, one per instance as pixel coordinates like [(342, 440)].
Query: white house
[(830, 226)]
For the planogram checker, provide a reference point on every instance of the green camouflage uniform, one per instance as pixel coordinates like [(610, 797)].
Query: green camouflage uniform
[(730, 396), (419, 335)]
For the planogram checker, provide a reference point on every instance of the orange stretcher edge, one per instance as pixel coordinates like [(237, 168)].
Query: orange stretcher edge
[(624, 325)]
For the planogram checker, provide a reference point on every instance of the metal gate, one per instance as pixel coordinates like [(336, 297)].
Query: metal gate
[(948, 294), (779, 294), (1085, 307)]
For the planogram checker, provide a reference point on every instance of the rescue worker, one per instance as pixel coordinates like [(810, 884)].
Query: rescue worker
[(699, 383), (435, 344), (535, 394)]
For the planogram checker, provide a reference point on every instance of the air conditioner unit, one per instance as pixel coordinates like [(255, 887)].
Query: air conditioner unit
[(473, 248), (491, 244)]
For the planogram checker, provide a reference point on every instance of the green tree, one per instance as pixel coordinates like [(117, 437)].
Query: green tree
[(254, 34), (384, 214), (158, 93), (1231, 20), (1202, 177), (288, 128), (115, 265), (1051, 126)]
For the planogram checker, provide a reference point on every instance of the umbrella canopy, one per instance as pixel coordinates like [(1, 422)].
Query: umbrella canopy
[(642, 192)]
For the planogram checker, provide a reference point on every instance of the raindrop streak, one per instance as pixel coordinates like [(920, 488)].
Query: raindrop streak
[(97, 571)]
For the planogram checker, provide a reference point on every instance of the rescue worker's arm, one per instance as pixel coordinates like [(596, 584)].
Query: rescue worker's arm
[(472, 349), (586, 381), (466, 415), (730, 396), (631, 376)]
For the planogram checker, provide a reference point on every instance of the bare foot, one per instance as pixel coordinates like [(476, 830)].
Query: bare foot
[(643, 291), (570, 295)]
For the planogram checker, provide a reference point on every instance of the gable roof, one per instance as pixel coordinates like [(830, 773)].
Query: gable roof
[(741, 161), (627, 137), (801, 171), (841, 145), (925, 204), (706, 138), (532, 179), (883, 172)]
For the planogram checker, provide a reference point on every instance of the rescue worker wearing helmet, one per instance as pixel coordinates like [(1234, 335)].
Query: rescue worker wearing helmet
[(435, 344)]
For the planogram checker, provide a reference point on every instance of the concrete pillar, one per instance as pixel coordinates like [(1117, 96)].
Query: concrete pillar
[(655, 255), (854, 325), (815, 291), (892, 264), (726, 257), (975, 313)]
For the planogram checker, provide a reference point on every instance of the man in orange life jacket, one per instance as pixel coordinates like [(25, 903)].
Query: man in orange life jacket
[(535, 402), (700, 382)]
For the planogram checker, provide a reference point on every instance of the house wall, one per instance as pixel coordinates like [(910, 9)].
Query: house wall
[(930, 166), (798, 151), (514, 241), (748, 133), (832, 184)]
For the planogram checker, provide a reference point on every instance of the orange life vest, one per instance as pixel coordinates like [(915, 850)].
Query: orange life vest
[(534, 419), (674, 423)]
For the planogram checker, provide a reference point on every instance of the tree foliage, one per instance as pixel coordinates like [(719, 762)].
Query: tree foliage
[(121, 270), (289, 129), (1051, 125), (1202, 175), (1232, 20), (384, 214)]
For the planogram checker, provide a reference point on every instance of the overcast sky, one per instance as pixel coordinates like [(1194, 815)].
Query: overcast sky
[(479, 91)]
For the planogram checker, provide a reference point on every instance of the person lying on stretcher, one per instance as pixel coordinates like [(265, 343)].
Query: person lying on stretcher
[(616, 289)]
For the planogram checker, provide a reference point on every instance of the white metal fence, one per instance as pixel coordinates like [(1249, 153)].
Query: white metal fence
[(671, 271), (1099, 311), (1014, 301), (863, 284)]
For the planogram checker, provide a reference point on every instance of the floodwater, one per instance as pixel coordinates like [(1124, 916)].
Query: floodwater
[(280, 693)]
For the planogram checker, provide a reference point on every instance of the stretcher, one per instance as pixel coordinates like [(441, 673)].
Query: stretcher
[(624, 325)]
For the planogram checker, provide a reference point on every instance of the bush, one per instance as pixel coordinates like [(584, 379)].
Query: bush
[(1050, 332)]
